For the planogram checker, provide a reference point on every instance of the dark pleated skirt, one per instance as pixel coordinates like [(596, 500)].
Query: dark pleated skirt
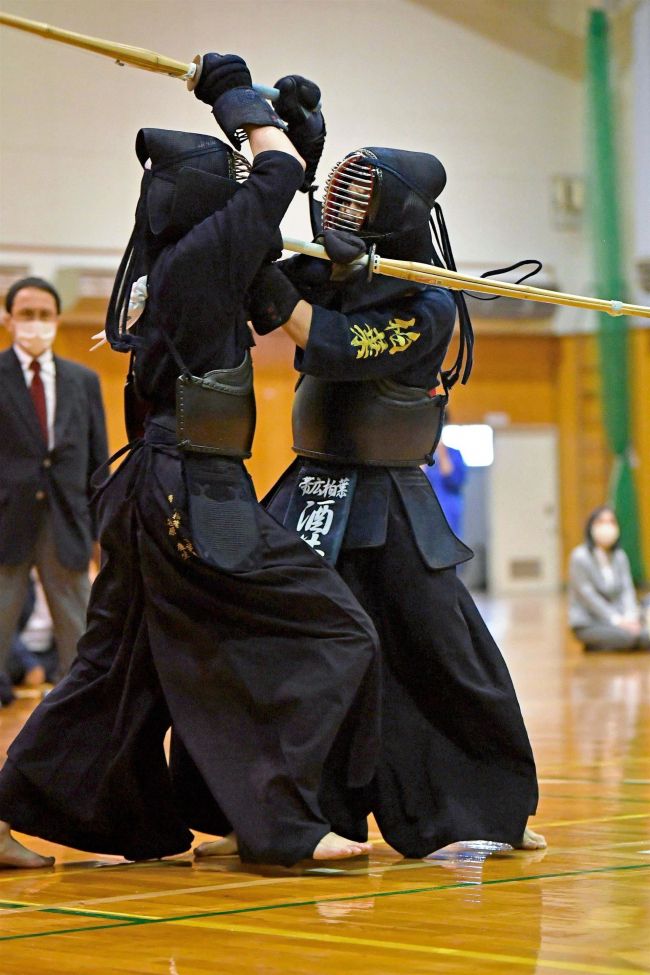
[(255, 669), (455, 761)]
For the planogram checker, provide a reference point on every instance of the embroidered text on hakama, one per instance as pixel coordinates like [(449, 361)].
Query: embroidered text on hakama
[(315, 520), (322, 487), (184, 547)]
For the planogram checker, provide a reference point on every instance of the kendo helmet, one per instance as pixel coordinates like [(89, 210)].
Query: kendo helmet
[(384, 195), (187, 177)]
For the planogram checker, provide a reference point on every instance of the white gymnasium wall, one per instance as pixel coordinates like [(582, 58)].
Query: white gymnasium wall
[(392, 73)]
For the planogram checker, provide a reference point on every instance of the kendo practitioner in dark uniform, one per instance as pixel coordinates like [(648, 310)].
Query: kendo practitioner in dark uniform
[(455, 763), (206, 614)]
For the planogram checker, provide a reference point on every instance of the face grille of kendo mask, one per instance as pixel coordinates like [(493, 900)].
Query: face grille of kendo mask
[(348, 193)]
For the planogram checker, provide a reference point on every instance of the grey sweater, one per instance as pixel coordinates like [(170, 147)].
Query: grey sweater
[(595, 598)]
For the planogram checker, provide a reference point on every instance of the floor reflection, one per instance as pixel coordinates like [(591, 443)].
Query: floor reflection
[(605, 704)]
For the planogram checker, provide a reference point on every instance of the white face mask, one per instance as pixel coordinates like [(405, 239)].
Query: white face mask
[(34, 337), (605, 535)]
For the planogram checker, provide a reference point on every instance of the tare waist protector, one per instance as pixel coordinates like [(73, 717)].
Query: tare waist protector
[(215, 413), (376, 423)]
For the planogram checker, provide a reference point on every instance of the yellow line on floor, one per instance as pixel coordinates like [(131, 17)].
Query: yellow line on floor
[(11, 875), (28, 907), (88, 903), (532, 960), (598, 819), (62, 871)]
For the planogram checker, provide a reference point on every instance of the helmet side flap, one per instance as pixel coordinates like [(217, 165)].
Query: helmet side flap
[(191, 176)]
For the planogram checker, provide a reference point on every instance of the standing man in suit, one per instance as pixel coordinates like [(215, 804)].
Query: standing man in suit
[(52, 438)]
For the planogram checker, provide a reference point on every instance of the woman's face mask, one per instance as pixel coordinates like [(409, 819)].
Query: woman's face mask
[(605, 533)]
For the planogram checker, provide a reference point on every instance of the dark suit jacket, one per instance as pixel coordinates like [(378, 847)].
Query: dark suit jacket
[(33, 478)]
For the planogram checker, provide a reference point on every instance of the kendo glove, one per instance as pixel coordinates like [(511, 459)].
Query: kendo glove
[(226, 84), (272, 299), (299, 106), (219, 74), (342, 246)]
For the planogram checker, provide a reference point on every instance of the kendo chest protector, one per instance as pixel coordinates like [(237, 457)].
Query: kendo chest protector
[(376, 423)]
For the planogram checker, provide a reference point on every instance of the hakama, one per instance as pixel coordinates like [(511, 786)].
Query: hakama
[(255, 670)]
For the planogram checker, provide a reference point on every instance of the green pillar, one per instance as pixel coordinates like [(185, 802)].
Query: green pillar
[(612, 331)]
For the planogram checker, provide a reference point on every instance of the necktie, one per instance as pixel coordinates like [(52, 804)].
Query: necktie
[(37, 391)]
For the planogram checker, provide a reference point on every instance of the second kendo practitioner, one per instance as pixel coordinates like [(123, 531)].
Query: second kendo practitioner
[(455, 763), (206, 614)]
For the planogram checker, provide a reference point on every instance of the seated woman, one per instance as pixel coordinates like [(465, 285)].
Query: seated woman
[(604, 612)]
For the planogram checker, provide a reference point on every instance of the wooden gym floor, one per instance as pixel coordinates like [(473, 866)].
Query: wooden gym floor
[(582, 906)]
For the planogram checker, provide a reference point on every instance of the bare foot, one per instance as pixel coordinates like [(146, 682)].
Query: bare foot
[(331, 847), (34, 677), (531, 841), (335, 847), (14, 854), (225, 847)]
